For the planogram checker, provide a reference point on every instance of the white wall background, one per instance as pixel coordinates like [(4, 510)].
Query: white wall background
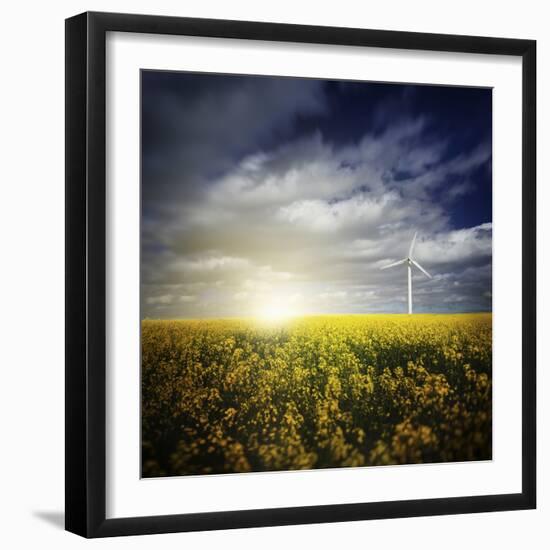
[(32, 252)]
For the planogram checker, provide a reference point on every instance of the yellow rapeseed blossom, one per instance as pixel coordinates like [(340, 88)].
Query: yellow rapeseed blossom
[(221, 396)]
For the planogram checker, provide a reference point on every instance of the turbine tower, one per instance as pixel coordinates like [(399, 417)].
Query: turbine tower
[(410, 262)]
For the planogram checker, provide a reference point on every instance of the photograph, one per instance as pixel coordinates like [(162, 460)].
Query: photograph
[(316, 273)]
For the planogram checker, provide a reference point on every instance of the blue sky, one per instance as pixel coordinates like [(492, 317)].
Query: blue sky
[(270, 193)]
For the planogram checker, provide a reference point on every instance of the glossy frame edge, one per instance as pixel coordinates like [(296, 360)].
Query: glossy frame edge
[(85, 387)]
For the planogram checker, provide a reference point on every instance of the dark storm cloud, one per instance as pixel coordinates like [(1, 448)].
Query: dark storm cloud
[(298, 191), (195, 127)]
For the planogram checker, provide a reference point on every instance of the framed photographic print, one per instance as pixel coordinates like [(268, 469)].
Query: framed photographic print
[(300, 274)]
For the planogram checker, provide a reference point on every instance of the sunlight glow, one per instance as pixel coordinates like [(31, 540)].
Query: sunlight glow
[(276, 312), (278, 309)]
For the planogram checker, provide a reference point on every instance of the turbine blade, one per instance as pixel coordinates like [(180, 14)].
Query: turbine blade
[(421, 269), (395, 263), (412, 245)]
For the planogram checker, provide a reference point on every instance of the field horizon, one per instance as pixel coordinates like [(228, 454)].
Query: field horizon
[(259, 318)]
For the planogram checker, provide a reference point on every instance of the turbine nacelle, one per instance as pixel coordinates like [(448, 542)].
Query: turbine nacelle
[(410, 262)]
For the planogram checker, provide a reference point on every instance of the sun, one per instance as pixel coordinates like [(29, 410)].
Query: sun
[(277, 310)]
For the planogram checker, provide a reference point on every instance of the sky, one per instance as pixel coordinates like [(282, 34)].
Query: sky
[(273, 196)]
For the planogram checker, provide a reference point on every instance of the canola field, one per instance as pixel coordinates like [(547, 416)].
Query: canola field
[(238, 395)]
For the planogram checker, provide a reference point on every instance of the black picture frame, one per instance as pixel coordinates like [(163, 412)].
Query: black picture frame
[(86, 276)]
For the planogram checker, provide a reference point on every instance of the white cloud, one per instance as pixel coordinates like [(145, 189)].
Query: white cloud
[(319, 215), (212, 263), (334, 295), (458, 245), (165, 299)]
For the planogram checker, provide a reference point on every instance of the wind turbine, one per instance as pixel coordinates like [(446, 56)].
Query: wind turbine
[(410, 262)]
